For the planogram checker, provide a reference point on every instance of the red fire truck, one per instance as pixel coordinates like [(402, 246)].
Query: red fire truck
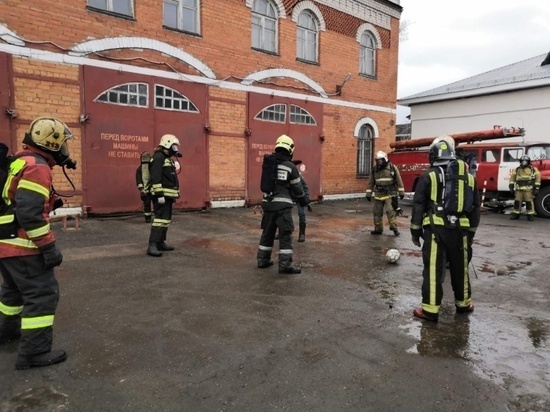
[(492, 164)]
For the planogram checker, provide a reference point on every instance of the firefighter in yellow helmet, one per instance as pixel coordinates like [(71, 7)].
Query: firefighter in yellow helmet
[(277, 208), (385, 182), (28, 253), (143, 183), (524, 185), (165, 191)]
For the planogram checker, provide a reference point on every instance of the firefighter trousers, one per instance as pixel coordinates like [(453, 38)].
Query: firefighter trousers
[(271, 221), (161, 221), (28, 299), (441, 245), (378, 213), (524, 196), (147, 209)]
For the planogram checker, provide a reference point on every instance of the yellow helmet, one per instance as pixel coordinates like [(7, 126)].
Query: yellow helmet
[(168, 140), (285, 142), (48, 133)]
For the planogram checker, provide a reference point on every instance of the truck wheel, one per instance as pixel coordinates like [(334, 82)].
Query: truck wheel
[(542, 202)]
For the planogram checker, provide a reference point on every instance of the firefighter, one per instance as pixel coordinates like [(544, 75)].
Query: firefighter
[(385, 181), (446, 238), (277, 209), (524, 185), (302, 221), (164, 190), (28, 254), (144, 185)]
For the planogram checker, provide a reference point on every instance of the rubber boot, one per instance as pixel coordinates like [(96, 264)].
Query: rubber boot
[(286, 267), (302, 234), (164, 247), (152, 250), (44, 359), (264, 258), (515, 216)]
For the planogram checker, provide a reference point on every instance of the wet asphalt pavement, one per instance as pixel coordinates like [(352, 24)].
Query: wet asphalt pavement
[(203, 329)]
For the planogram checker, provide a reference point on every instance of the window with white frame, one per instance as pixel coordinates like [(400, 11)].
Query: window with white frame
[(367, 55), (170, 99), (182, 15), (307, 35), (125, 7), (364, 150), (274, 113), (301, 116), (129, 94), (264, 25)]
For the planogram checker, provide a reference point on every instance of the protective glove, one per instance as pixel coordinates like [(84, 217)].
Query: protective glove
[(416, 235), (161, 200), (511, 186), (535, 192), (471, 238), (416, 241), (399, 211), (143, 197), (368, 198), (52, 256), (401, 196), (309, 208)]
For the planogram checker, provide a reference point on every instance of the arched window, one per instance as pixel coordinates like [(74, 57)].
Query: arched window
[(274, 113), (367, 55), (129, 94), (307, 37), (301, 116), (264, 26), (364, 150), (170, 99)]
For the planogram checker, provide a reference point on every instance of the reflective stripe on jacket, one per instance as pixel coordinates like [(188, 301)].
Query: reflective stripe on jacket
[(164, 180), (27, 194)]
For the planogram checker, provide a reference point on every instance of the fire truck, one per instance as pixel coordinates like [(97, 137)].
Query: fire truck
[(491, 162)]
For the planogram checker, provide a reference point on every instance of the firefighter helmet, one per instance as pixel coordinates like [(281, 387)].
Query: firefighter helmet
[(168, 140), (447, 139), (441, 153), (381, 155), (524, 161), (48, 133), (285, 142)]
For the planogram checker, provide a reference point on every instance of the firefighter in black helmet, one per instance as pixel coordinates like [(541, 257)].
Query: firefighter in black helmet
[(446, 238), (277, 209), (28, 253), (165, 191), (524, 185)]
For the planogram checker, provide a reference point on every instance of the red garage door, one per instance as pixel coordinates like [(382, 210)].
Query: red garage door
[(271, 116), (127, 115)]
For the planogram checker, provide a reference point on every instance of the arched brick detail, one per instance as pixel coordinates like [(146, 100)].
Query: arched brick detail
[(370, 28), (278, 3), (309, 5), (364, 121), (10, 37), (93, 46), (265, 74)]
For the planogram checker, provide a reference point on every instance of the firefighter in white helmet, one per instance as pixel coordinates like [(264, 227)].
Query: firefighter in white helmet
[(524, 185), (28, 253), (165, 191), (384, 183)]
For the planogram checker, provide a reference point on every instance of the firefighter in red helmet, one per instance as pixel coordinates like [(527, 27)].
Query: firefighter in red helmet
[(28, 253)]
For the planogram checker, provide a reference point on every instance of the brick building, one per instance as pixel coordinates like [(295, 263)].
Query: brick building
[(226, 76)]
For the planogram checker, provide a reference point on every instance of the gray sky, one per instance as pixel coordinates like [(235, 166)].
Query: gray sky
[(447, 41)]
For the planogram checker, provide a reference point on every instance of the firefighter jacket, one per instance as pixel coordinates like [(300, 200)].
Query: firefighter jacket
[(427, 203), (164, 180), (27, 195), (526, 178), (287, 187), (143, 178), (385, 182)]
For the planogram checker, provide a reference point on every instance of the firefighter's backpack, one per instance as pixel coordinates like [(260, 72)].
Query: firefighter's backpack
[(458, 195), (269, 174)]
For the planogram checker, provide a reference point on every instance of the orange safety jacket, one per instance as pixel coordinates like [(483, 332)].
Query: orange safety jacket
[(27, 194)]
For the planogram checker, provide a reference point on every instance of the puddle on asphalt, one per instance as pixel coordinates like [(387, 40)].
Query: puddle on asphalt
[(508, 351)]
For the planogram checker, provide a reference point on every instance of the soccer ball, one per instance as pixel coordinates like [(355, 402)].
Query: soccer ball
[(392, 255)]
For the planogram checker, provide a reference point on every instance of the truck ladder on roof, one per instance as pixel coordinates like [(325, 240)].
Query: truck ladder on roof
[(496, 133)]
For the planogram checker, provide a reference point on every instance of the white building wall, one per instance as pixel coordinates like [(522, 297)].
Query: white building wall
[(529, 109)]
